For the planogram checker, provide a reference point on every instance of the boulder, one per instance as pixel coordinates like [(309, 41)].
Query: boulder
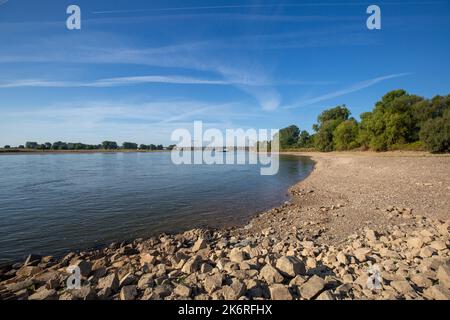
[(128, 293), (279, 292), (43, 294), (290, 266), (237, 255), (312, 287), (271, 275), (443, 275), (192, 265), (199, 244), (110, 282), (212, 283), (182, 291)]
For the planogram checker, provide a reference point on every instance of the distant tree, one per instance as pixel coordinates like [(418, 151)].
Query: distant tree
[(108, 145), (129, 145), (171, 146), (328, 121), (305, 140), (151, 147), (7, 146), (21, 146), (288, 137), (435, 133), (345, 135), (48, 145), (31, 145), (143, 147), (159, 147)]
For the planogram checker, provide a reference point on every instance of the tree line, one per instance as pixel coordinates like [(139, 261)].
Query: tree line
[(398, 121), (105, 145)]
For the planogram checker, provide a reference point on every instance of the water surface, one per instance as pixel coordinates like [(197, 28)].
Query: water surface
[(53, 203)]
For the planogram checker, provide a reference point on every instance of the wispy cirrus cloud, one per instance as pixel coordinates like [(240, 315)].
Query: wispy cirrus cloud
[(353, 88), (135, 80)]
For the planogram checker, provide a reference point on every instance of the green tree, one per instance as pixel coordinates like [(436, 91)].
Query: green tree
[(435, 133), (288, 137), (305, 140), (31, 145), (328, 121), (345, 135), (129, 145), (108, 145)]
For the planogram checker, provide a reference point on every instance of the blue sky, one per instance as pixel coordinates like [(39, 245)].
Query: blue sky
[(137, 70)]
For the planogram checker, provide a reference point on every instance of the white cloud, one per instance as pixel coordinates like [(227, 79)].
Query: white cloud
[(353, 88)]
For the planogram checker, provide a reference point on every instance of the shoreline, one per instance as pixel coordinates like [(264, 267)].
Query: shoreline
[(318, 245)]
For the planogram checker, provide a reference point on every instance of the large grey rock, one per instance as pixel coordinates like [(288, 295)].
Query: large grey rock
[(279, 292), (192, 265), (271, 275), (290, 266), (128, 293), (110, 282), (312, 287), (212, 283)]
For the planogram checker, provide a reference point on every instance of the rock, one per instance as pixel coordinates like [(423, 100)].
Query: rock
[(129, 251), (212, 283), (427, 252), (326, 295), (110, 282), (43, 294), (28, 271), (438, 245), (147, 259), (311, 263), (205, 268), (271, 275), (85, 267), (312, 287), (84, 293), (415, 243), (234, 291), (361, 254), (371, 235), (342, 258), (192, 265), (402, 286), (279, 292), (17, 286), (182, 290), (237, 255), (32, 260), (128, 293), (127, 279), (421, 281), (198, 245), (443, 275), (437, 292), (290, 266), (145, 281), (297, 281)]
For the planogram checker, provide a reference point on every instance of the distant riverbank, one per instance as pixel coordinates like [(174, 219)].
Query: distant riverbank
[(35, 151)]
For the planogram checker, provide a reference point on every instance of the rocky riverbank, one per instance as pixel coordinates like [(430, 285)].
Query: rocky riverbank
[(359, 227)]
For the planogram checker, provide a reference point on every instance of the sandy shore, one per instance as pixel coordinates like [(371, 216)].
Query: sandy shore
[(364, 184), (361, 226)]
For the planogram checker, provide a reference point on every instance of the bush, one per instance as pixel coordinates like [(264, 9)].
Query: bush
[(435, 133)]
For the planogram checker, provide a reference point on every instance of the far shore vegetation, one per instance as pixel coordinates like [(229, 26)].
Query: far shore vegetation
[(105, 146), (399, 121)]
